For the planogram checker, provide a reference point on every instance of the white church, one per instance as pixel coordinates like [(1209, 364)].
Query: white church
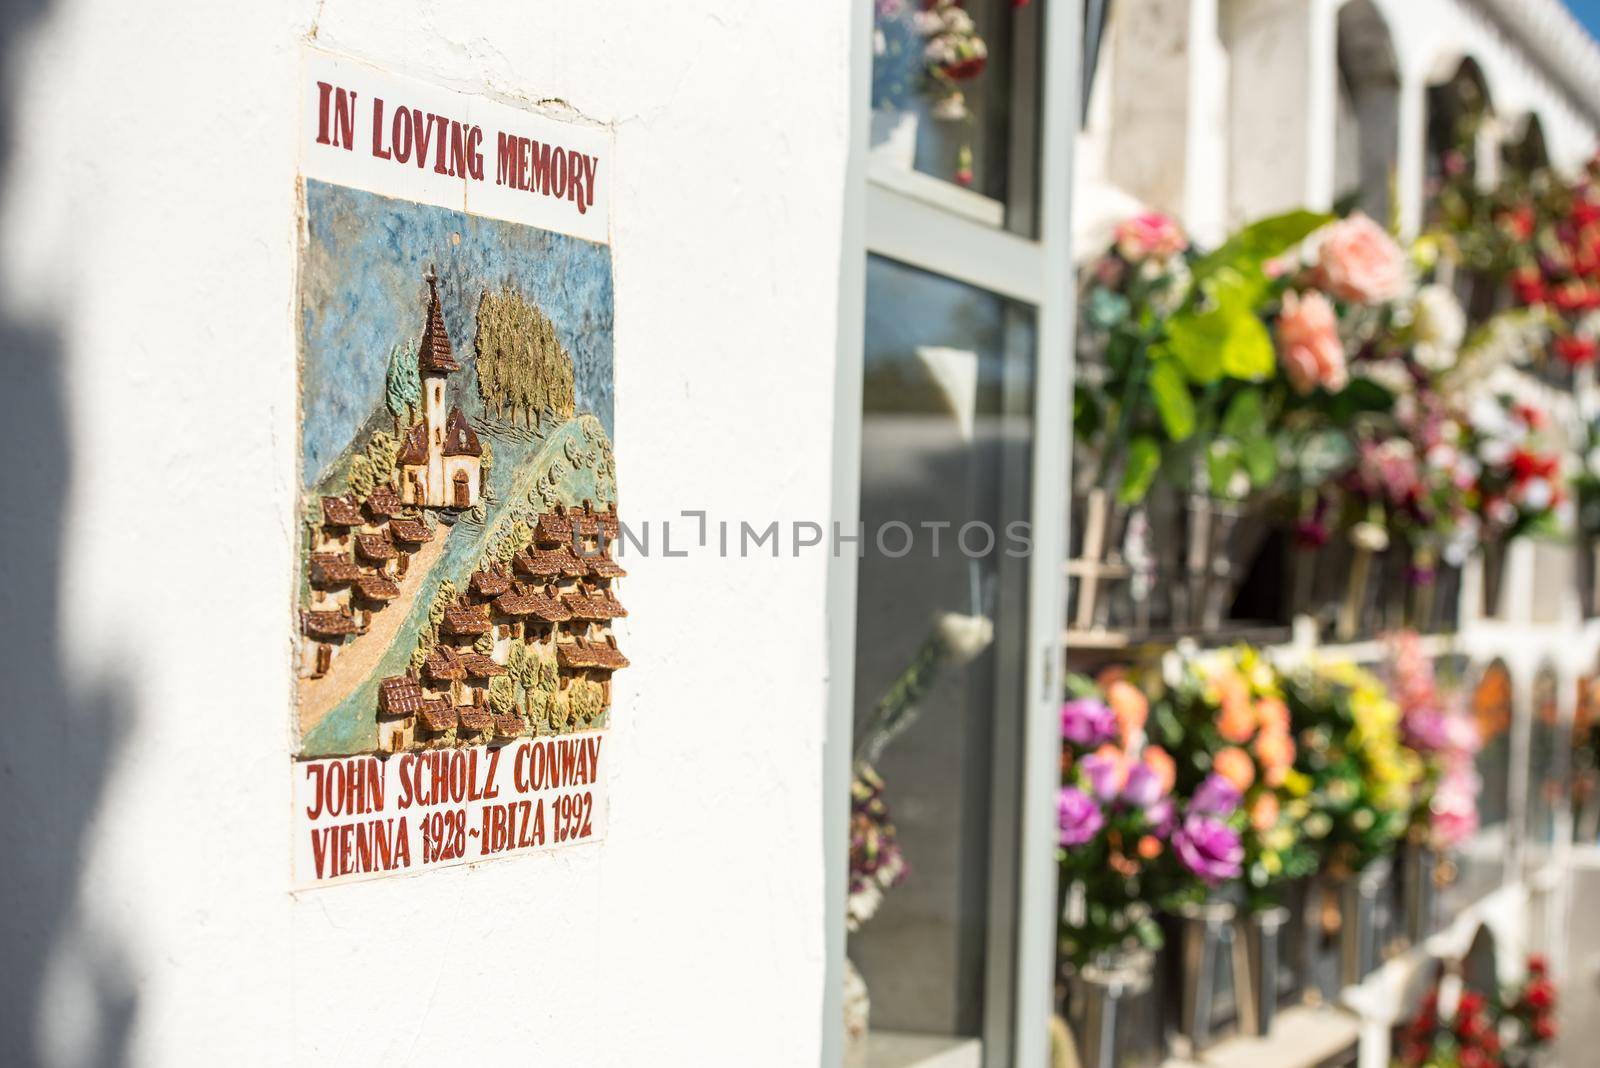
[(441, 460)]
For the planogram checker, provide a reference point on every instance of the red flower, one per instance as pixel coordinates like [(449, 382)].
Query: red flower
[(1573, 296), (1575, 350), (1540, 996), (1528, 285), (1537, 965), (1544, 1029), (1471, 1003), (1475, 1058), (1518, 222), (1472, 1026)]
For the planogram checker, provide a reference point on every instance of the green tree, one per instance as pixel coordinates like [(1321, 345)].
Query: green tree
[(523, 370), (502, 695), (402, 391), (484, 646), (383, 449), (363, 477)]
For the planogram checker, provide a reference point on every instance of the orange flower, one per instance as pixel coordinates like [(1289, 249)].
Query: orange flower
[(1130, 705), (1273, 714), (1149, 847), (1275, 750), (1160, 761), (1264, 813), (1237, 720), (1235, 765), (1119, 761)]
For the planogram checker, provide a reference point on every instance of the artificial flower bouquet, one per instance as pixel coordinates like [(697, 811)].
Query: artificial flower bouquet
[(1360, 778), (1521, 486), (1436, 725), (876, 863), (928, 50), (1227, 728), (1128, 844), (1508, 1028)]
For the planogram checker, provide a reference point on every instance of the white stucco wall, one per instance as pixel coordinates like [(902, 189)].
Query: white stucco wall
[(1255, 83), (147, 218)]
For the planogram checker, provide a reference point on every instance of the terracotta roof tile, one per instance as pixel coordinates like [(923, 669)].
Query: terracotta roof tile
[(410, 530), (466, 619), (600, 565), (438, 715), (549, 563), (594, 606), (509, 724), (376, 547), (459, 437), (489, 583), (383, 501), (400, 695), (329, 624), (532, 601), (376, 587), (341, 511), (481, 667), (435, 354), (581, 654), (331, 569), (475, 717), (444, 665)]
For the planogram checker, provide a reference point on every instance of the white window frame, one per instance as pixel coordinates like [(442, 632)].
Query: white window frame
[(950, 233)]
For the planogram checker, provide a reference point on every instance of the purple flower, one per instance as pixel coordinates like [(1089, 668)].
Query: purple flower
[(1209, 848), (1163, 817), (1088, 722), (1427, 730), (1104, 774), (1216, 797), (1077, 816), (1143, 787)]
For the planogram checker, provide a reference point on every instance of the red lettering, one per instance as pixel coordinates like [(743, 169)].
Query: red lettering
[(475, 154), (401, 134), (558, 173), (314, 771), (377, 129), (424, 128), (324, 94)]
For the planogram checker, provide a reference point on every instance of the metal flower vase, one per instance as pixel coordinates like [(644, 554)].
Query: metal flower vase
[(1111, 1011), (1360, 913), (1204, 965), (1258, 956), (1419, 891)]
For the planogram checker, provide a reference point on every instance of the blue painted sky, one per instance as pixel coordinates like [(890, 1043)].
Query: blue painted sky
[(1588, 12), (362, 292)]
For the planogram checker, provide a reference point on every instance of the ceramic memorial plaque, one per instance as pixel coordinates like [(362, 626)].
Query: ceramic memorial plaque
[(458, 597)]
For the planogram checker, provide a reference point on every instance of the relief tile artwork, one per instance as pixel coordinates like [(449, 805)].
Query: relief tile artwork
[(457, 583)]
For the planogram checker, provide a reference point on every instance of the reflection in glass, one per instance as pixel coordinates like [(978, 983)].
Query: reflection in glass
[(942, 85), (946, 430)]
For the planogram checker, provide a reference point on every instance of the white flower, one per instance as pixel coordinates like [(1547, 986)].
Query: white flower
[(1502, 512), (965, 637), (1390, 374), (880, 44), (1438, 321), (1370, 537), (1536, 494), (1494, 451), (1443, 457), (1433, 357)]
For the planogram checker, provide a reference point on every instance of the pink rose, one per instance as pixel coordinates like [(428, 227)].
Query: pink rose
[(1308, 343), (1357, 260), (1150, 235)]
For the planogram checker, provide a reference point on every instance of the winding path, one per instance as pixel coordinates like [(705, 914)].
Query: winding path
[(352, 666)]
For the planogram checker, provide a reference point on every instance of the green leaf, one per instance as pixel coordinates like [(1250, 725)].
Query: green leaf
[(1144, 460), (1249, 354), (1243, 419), (1171, 395), (1222, 463), (1196, 340), (1260, 461), (1260, 241)]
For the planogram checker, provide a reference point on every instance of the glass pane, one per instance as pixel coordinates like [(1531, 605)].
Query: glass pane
[(950, 79), (946, 431), (1480, 863)]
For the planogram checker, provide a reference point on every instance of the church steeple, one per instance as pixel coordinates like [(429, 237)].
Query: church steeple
[(435, 356)]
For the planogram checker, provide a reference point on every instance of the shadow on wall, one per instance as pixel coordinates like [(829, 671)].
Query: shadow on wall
[(63, 728)]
